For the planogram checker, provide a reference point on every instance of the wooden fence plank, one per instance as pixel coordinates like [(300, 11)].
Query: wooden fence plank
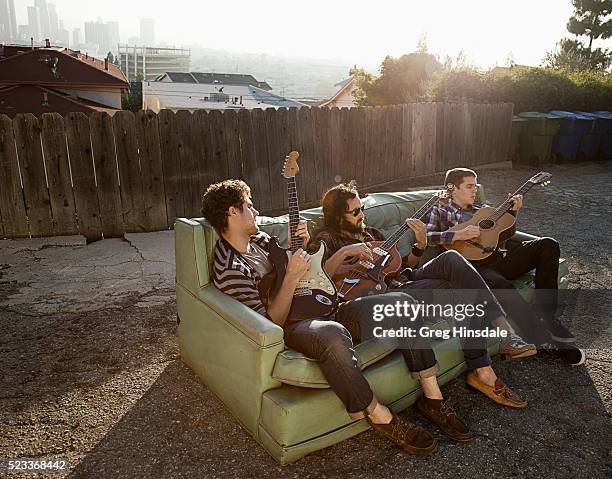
[(304, 163), (356, 144), (407, 158), (149, 151), (396, 150), (169, 143), (12, 206), (255, 168), (38, 205), (307, 149), (259, 166), (189, 182), (130, 178), (277, 152), (105, 161), (85, 193), (321, 121), (203, 147), (58, 174), (217, 137), (232, 144)]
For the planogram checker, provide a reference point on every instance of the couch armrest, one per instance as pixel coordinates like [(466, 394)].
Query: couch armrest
[(256, 327)]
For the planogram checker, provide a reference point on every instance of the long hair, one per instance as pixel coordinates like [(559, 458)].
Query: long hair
[(334, 204)]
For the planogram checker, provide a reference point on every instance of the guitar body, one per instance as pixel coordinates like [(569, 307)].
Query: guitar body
[(315, 294), (491, 234), (371, 281)]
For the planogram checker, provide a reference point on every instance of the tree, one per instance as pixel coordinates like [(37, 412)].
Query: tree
[(110, 57), (401, 80), (590, 19)]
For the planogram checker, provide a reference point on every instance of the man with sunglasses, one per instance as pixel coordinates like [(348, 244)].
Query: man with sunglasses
[(347, 236)]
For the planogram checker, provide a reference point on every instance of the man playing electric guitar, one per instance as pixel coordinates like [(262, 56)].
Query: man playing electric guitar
[(541, 254)]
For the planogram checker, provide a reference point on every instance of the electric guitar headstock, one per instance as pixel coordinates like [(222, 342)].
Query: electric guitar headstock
[(542, 178), (290, 166)]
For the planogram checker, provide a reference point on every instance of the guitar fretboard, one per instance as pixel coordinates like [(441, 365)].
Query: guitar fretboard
[(294, 214), (418, 214), (507, 205)]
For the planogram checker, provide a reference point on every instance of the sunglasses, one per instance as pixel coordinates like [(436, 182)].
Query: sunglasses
[(355, 212)]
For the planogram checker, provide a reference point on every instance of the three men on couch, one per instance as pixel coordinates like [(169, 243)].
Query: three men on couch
[(241, 262)]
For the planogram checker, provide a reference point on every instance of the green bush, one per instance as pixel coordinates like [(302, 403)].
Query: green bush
[(530, 89)]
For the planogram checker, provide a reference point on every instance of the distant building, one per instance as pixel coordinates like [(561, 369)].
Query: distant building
[(104, 35), (148, 63), (344, 96), (44, 80), (8, 21), (147, 31), (192, 96), (210, 78)]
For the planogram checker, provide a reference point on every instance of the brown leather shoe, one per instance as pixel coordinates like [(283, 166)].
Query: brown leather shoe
[(515, 347), (409, 437), (442, 414), (500, 393)]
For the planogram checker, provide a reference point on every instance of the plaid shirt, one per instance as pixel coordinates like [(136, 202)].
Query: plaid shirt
[(445, 216)]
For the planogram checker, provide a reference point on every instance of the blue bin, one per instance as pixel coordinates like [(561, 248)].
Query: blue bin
[(573, 127), (596, 145), (574, 124)]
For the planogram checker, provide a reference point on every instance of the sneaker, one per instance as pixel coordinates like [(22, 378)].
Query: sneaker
[(409, 437), (558, 332), (442, 414), (571, 354), (515, 347)]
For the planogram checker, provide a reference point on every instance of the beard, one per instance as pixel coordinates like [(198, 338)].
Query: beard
[(352, 228)]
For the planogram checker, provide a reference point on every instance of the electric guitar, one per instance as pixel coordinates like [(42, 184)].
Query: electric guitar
[(496, 226), (316, 294), (369, 277)]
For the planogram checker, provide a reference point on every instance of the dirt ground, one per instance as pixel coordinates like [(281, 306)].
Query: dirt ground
[(92, 373)]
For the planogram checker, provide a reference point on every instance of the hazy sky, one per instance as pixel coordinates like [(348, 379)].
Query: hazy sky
[(356, 32)]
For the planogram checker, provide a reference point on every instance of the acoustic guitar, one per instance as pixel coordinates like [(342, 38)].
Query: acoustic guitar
[(496, 226), (369, 277), (316, 294)]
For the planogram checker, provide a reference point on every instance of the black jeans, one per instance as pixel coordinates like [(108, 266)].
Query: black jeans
[(543, 255), (450, 270), (330, 341)]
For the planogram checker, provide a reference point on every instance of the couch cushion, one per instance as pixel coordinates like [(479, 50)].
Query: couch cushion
[(296, 369)]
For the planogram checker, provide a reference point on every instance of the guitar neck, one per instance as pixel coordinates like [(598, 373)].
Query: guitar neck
[(294, 214), (507, 205), (418, 214)]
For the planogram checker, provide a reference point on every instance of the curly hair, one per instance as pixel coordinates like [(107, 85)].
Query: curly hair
[(334, 203), (218, 198)]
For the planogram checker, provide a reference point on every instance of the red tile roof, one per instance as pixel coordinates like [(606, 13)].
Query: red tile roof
[(31, 99), (22, 65)]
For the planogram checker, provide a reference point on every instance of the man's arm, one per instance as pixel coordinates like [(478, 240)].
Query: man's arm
[(437, 233)]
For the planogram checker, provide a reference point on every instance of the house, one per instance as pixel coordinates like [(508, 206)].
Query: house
[(183, 95), (50, 79), (344, 96), (213, 78)]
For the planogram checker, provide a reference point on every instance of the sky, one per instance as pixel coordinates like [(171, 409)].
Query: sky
[(358, 32)]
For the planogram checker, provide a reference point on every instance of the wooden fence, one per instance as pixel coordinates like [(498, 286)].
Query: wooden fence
[(102, 176)]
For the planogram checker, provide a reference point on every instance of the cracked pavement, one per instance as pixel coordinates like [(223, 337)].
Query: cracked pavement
[(91, 370)]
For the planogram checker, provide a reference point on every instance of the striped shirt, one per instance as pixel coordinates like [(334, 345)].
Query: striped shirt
[(235, 276)]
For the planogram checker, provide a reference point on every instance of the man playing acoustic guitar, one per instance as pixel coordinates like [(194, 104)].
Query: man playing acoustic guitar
[(541, 254)]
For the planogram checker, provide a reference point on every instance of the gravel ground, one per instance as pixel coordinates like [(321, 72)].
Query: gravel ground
[(91, 370)]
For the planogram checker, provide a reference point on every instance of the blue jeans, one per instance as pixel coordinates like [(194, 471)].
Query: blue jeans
[(450, 270), (330, 341)]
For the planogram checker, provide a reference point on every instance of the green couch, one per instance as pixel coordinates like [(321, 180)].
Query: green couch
[(279, 396)]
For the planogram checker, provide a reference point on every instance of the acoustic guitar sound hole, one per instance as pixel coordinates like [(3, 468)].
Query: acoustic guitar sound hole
[(486, 224)]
